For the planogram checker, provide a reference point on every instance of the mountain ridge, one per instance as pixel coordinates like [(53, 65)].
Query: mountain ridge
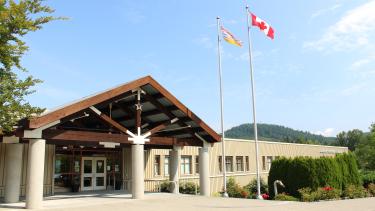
[(278, 133)]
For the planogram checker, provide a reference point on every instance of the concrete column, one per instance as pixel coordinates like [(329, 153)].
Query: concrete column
[(174, 163), (138, 178), (13, 172), (35, 173), (204, 170)]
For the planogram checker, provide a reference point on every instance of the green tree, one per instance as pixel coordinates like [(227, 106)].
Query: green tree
[(16, 20), (365, 150), (349, 139)]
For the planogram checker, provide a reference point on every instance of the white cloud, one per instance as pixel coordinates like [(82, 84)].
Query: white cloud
[(205, 41), (354, 89), (325, 10), (354, 30), (328, 132), (359, 63)]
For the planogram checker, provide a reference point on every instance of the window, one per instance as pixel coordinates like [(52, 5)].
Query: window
[(269, 162), (239, 163), (197, 164), (247, 167), (229, 163), (166, 165), (220, 165), (157, 165), (185, 165), (264, 163)]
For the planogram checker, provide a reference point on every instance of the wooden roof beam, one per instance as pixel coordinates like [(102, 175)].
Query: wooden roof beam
[(110, 121)]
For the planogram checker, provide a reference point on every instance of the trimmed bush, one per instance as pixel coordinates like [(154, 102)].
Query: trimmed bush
[(371, 189), (188, 188), (285, 197), (306, 195), (164, 187), (305, 172), (235, 190), (252, 186), (353, 192), (326, 193)]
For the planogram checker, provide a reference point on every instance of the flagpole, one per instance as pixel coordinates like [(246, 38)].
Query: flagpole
[(225, 194), (259, 196)]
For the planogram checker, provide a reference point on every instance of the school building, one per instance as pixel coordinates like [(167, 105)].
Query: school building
[(132, 137)]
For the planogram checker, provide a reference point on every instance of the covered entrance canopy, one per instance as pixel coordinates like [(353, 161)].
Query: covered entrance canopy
[(112, 116), (141, 114)]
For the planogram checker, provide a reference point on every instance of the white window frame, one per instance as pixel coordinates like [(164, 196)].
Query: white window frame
[(184, 170)]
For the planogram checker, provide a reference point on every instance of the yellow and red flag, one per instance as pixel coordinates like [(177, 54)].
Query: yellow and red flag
[(229, 37)]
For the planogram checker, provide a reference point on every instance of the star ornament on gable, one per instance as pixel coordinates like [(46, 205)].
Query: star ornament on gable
[(263, 26)]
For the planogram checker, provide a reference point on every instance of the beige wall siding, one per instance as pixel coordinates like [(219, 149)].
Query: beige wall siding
[(234, 147), (48, 169), (152, 181)]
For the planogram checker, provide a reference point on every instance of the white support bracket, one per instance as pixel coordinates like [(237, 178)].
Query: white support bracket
[(37, 133), (205, 143), (109, 144)]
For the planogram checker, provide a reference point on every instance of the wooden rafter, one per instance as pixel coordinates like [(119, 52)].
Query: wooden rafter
[(163, 125), (109, 120), (167, 112), (184, 109)]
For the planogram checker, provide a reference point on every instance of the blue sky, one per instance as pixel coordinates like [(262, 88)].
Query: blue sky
[(317, 75)]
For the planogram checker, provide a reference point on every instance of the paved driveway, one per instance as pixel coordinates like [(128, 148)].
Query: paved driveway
[(170, 202)]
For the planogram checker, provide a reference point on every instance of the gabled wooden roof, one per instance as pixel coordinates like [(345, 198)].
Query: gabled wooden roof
[(159, 105)]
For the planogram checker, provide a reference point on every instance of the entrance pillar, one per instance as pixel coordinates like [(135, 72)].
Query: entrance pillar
[(13, 171), (138, 178), (174, 155), (204, 170), (35, 173)]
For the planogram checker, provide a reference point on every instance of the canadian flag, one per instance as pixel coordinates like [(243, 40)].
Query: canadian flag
[(263, 26)]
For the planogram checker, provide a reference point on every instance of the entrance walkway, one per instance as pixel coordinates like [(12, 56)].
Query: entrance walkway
[(170, 202)]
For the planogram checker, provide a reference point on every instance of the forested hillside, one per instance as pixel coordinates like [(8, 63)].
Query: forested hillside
[(270, 132)]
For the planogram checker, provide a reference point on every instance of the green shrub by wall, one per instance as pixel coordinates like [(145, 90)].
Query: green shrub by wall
[(306, 172), (188, 188), (367, 178)]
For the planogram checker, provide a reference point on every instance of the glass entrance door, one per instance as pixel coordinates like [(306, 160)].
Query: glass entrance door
[(93, 175)]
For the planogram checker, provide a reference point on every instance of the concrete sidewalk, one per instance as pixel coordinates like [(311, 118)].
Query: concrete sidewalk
[(166, 202)]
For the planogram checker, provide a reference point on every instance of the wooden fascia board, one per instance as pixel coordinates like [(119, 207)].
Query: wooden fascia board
[(84, 104), (185, 110)]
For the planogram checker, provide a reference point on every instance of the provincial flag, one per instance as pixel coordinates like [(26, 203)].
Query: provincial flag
[(229, 37), (263, 26)]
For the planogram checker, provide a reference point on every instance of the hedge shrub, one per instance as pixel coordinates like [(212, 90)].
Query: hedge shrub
[(367, 178), (305, 172)]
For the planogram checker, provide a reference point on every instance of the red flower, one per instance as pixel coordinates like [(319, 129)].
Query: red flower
[(327, 188), (265, 196)]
